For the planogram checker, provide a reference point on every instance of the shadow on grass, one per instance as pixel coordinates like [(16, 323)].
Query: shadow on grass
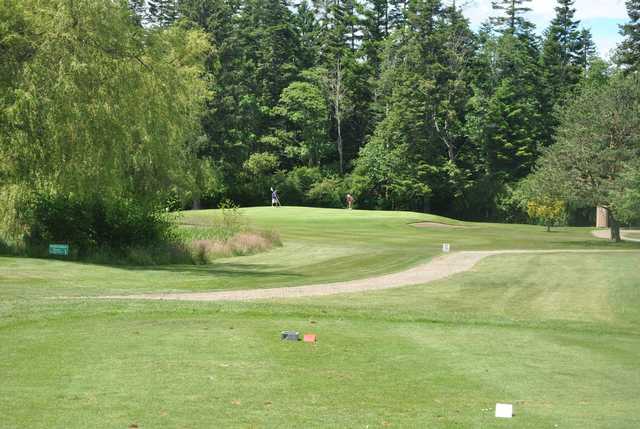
[(601, 244), (224, 269), (264, 271)]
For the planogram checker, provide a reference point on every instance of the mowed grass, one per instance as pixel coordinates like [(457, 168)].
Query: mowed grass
[(557, 335), (319, 246), (635, 234)]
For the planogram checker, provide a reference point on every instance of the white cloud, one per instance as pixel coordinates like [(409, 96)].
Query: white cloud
[(589, 9)]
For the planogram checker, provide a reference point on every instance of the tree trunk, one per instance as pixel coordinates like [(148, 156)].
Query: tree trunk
[(196, 204), (452, 154), (548, 227), (615, 228)]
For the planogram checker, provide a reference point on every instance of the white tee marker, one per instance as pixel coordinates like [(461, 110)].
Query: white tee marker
[(504, 411)]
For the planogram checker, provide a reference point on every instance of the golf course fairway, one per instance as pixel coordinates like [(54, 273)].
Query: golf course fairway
[(555, 334)]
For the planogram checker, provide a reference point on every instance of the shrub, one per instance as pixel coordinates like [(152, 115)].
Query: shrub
[(122, 232), (260, 164), (92, 224), (328, 192), (5, 248), (294, 185), (511, 205), (548, 212)]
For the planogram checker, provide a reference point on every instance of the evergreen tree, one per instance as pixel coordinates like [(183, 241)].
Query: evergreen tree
[(397, 13), (466, 113), (341, 27), (162, 12), (425, 87), (508, 122), (351, 17), (586, 50), (309, 32), (347, 76), (560, 56), (629, 49), (561, 64), (376, 30), (223, 122), (382, 18), (505, 118), (271, 47), (512, 20), (258, 55)]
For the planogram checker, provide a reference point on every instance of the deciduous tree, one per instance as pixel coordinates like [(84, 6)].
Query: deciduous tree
[(98, 109), (592, 164)]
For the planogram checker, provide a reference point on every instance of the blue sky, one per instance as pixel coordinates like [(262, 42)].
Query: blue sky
[(602, 16)]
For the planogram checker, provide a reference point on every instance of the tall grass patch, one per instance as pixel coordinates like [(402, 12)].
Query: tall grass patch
[(226, 233)]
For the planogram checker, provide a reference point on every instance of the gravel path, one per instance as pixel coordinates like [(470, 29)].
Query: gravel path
[(436, 269), (606, 233)]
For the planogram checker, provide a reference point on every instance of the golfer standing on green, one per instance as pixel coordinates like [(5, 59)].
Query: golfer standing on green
[(275, 201), (350, 201)]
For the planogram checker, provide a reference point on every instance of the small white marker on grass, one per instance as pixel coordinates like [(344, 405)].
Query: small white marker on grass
[(504, 411), (446, 248)]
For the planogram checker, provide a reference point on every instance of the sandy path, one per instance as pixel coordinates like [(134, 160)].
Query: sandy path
[(606, 233), (436, 269)]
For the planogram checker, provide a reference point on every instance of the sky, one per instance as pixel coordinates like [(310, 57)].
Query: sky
[(601, 16)]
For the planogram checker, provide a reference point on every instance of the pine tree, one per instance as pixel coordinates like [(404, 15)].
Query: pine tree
[(564, 32), (162, 12), (512, 20), (352, 22), (347, 76), (257, 55), (561, 63), (309, 32), (425, 88), (421, 18), (629, 50), (376, 29), (397, 13), (459, 45), (586, 50), (505, 122), (341, 27), (222, 123)]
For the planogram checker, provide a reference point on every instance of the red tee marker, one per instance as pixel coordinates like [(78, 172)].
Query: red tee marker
[(310, 338)]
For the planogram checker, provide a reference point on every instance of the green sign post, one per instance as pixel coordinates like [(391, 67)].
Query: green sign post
[(59, 249)]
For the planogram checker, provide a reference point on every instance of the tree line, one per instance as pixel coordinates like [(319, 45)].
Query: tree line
[(179, 103), (399, 102)]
